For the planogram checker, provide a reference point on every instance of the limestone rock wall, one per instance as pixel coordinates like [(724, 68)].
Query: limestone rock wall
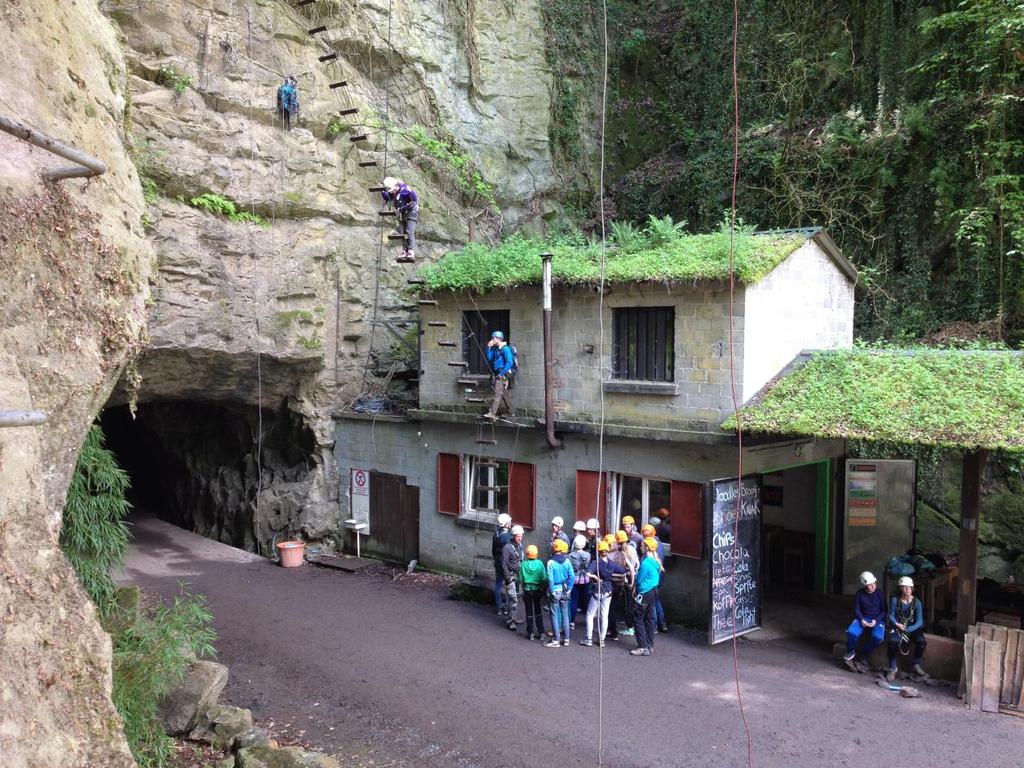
[(282, 313), (74, 264)]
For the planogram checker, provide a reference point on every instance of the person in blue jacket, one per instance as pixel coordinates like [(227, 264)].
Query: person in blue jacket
[(501, 361), (646, 596), (288, 102), (906, 626), (560, 580), (869, 621)]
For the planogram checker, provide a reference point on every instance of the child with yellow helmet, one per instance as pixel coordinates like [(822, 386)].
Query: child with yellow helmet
[(534, 577), (646, 596), (560, 581), (601, 573)]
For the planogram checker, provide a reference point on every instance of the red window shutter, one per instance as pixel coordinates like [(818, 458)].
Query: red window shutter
[(449, 484), (521, 492), (588, 485), (687, 519)]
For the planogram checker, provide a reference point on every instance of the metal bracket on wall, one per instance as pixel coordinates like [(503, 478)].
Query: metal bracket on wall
[(88, 166), (389, 326)]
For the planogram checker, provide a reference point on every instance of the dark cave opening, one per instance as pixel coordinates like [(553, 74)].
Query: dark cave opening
[(194, 464)]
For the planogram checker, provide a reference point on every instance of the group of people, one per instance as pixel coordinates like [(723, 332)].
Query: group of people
[(612, 579), (900, 625), (396, 193)]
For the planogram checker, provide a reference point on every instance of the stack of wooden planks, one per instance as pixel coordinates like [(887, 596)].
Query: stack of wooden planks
[(992, 678)]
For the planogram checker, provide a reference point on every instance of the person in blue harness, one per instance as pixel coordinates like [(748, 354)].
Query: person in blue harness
[(501, 361), (906, 626), (869, 620), (406, 203), (288, 102)]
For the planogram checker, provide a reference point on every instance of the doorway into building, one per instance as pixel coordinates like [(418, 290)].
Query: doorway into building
[(798, 528), (394, 532)]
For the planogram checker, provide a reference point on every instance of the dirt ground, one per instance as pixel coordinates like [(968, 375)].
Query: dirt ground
[(392, 673)]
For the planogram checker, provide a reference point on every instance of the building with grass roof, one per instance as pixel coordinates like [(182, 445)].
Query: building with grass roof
[(648, 347)]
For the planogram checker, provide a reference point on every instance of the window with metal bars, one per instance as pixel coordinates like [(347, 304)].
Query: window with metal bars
[(477, 327), (643, 343)]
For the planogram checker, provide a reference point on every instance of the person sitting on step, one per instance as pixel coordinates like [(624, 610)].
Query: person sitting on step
[(869, 612), (906, 627), (405, 201), (501, 361), (288, 102)]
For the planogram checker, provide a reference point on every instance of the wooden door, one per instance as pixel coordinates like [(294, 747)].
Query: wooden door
[(394, 518)]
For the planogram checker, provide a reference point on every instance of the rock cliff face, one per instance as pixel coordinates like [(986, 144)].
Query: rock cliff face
[(458, 105), (74, 264)]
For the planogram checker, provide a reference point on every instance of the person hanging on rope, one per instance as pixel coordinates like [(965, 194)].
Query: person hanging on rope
[(288, 102), (403, 198), (502, 361)]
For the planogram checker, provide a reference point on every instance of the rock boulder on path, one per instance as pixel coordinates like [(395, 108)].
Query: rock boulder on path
[(184, 704)]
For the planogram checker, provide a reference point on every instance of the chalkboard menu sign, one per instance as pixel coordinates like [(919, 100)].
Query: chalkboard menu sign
[(735, 549)]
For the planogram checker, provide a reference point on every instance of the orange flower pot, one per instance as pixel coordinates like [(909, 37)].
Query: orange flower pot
[(291, 553)]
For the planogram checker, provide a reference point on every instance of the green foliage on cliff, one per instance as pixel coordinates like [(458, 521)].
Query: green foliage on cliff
[(93, 536), (946, 398), (221, 206), (445, 148), (661, 251), (151, 652), (897, 126)]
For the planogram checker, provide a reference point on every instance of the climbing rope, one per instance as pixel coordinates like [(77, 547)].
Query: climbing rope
[(732, 363)]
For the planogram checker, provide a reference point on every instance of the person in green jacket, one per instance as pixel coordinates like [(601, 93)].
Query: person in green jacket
[(534, 577)]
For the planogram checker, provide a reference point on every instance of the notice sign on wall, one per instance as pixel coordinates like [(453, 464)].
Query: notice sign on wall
[(735, 549), (862, 495), (360, 496)]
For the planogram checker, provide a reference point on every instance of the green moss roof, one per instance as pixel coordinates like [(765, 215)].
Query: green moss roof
[(951, 398), (577, 260)]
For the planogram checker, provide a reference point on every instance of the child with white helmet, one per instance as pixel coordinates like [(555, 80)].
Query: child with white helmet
[(580, 559), (869, 621), (557, 523), (906, 626), (501, 537), (593, 526), (511, 559)]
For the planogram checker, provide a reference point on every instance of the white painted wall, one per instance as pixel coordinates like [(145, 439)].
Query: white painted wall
[(804, 303)]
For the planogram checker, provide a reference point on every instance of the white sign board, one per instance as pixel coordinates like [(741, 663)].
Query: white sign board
[(360, 496)]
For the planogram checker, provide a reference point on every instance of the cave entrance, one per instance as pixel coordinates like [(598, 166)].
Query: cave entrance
[(197, 465)]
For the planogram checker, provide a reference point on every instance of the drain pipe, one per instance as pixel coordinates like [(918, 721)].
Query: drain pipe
[(549, 395)]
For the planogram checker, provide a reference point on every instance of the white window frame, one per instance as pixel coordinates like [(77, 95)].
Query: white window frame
[(470, 481), (645, 496)]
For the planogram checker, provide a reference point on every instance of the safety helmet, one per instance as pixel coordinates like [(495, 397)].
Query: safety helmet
[(906, 581), (592, 524), (504, 520), (557, 521), (867, 578), (391, 182), (497, 335), (651, 543), (621, 537), (603, 546), (648, 530), (579, 542), (561, 547), (531, 552), (655, 521), (610, 538), (628, 520), (579, 525), (517, 530)]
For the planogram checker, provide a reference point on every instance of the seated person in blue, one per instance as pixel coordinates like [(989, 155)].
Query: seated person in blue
[(869, 609), (906, 626)]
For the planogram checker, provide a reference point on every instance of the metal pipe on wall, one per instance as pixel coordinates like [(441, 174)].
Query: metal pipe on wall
[(549, 395), (87, 164), (21, 418)]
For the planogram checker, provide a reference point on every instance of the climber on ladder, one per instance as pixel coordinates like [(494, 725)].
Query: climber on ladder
[(502, 360), (404, 200), (288, 102)]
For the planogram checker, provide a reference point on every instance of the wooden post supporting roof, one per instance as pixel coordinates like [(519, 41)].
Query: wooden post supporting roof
[(970, 513)]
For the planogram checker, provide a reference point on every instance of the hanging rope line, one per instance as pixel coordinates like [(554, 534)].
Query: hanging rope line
[(732, 360), (600, 438)]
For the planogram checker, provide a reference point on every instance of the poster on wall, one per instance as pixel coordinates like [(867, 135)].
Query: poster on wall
[(360, 497), (879, 515), (735, 549)]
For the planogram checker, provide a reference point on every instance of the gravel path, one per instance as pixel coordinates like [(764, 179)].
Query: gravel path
[(387, 673)]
